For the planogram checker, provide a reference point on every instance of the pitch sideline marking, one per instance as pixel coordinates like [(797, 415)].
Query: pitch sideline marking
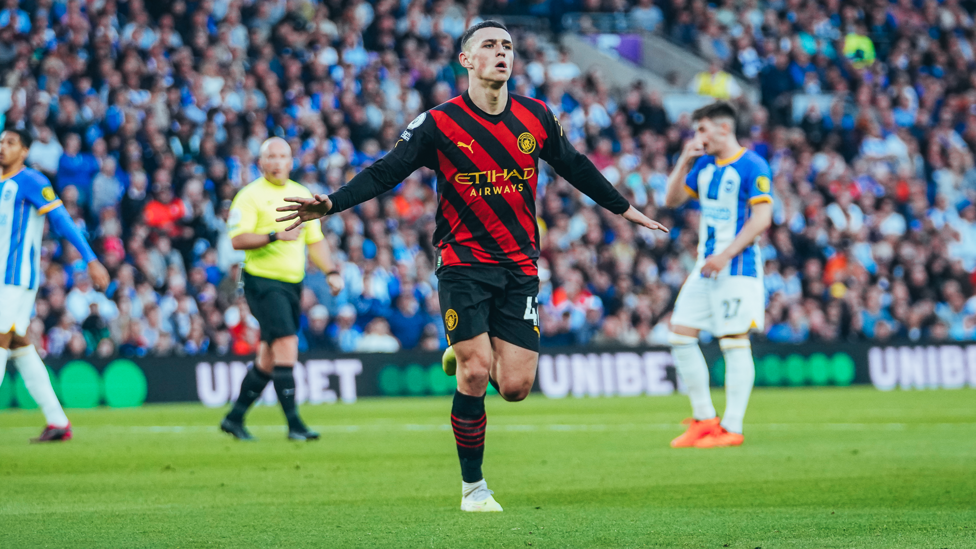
[(553, 427)]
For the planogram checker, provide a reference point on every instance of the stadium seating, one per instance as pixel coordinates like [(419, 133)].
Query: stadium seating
[(148, 121)]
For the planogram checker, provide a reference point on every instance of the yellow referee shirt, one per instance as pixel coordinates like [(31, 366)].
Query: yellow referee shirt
[(253, 211)]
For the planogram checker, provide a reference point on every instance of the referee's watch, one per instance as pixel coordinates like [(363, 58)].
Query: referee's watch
[(272, 236)]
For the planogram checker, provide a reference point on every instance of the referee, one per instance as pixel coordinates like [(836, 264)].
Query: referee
[(274, 266)]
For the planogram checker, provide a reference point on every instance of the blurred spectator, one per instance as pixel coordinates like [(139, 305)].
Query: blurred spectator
[(377, 338), (165, 211), (715, 83), (106, 187), (45, 153), (315, 336), (794, 330), (197, 340), (135, 199), (76, 169), (776, 83), (83, 297), (407, 321), (564, 70), (858, 47), (94, 328), (15, 17), (646, 16), (346, 333)]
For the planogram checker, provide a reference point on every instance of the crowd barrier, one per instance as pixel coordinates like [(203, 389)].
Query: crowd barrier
[(563, 372)]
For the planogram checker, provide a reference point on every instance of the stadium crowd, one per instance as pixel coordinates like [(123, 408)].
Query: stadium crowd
[(147, 117)]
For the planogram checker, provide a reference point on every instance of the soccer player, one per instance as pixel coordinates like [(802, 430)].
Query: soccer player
[(274, 267), (485, 146), (724, 294), (25, 196)]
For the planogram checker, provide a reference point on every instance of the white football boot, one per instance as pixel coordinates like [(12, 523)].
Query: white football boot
[(477, 498)]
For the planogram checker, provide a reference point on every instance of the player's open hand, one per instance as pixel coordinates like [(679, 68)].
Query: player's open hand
[(99, 275), (714, 265), (336, 283), (305, 209), (635, 216)]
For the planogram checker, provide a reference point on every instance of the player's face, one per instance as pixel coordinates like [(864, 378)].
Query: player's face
[(12, 151), (710, 134), (276, 161), (490, 55)]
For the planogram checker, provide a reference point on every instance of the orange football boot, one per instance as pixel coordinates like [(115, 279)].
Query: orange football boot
[(720, 438), (696, 430)]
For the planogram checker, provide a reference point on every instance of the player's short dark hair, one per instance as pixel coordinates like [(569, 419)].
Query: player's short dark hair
[(25, 137), (489, 24), (716, 111)]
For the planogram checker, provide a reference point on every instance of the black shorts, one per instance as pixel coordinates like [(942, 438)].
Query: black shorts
[(479, 299), (275, 304)]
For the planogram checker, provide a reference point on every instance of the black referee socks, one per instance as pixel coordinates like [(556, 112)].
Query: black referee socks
[(252, 386), (284, 384), (469, 422)]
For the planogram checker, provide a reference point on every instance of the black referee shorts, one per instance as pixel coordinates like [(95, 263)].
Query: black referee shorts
[(479, 299), (275, 304)]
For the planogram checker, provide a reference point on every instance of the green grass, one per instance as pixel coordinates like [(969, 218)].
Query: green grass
[(820, 468)]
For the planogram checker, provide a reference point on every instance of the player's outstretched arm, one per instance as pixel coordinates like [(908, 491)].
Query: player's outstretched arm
[(99, 275), (678, 193), (306, 209), (39, 193), (62, 223), (760, 220), (414, 150), (576, 168), (635, 216)]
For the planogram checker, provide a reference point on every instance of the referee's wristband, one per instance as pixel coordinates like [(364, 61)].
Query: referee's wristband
[(330, 273)]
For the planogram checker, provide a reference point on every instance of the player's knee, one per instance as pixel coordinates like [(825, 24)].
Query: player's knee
[(728, 344), (284, 350), (680, 340), (473, 377), (473, 367), (514, 391)]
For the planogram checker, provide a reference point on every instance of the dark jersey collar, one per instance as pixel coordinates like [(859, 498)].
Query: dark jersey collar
[(493, 118)]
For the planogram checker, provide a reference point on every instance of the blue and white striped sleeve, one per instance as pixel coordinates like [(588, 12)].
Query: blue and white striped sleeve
[(37, 191)]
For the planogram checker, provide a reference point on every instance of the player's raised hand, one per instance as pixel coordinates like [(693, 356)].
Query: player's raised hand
[(692, 150), (635, 216), (305, 209), (99, 275)]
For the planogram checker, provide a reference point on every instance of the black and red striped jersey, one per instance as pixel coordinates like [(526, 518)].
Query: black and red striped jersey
[(487, 170)]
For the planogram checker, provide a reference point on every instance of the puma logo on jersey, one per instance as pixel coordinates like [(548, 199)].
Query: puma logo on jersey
[(468, 146)]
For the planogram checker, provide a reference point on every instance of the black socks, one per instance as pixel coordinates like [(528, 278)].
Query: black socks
[(284, 384), (469, 422), (252, 386)]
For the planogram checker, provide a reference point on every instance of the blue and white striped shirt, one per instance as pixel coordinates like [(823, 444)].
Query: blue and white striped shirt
[(25, 197), (726, 189)]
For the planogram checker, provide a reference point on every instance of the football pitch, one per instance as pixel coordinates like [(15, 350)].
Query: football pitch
[(820, 468)]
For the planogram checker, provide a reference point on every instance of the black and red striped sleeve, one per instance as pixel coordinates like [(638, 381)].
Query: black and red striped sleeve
[(576, 168), (415, 149)]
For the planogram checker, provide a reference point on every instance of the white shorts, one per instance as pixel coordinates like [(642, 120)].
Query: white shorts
[(16, 306), (727, 305)]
